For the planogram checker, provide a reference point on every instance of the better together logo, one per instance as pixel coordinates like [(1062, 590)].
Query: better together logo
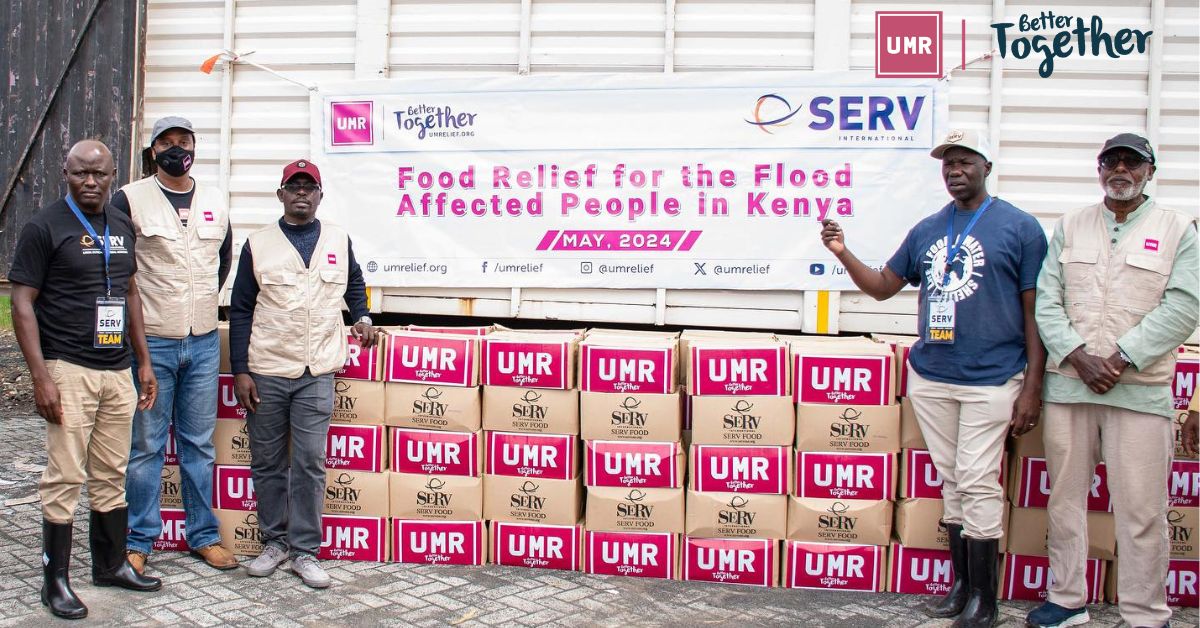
[(1065, 36)]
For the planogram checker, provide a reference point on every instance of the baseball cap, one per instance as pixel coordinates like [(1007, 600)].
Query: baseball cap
[(1133, 142), (965, 138), (170, 122), (300, 166)]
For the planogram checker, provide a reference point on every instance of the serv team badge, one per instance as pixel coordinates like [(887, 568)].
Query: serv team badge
[(110, 323)]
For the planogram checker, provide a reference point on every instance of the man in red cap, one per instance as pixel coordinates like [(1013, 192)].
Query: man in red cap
[(286, 340)]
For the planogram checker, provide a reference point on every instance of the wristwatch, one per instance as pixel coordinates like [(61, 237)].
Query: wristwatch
[(1124, 356), (364, 319)]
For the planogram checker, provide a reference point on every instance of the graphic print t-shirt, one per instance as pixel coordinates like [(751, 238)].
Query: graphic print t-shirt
[(1000, 258)]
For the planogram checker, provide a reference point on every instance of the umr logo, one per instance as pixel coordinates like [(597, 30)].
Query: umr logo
[(908, 44), (351, 123)]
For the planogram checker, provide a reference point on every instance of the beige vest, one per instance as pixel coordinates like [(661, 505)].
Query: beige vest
[(298, 316), (1110, 288), (177, 266)]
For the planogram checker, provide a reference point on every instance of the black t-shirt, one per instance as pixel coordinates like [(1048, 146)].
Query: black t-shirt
[(53, 256)]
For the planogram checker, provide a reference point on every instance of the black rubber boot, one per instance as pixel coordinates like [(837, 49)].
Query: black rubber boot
[(951, 604), (56, 572), (980, 611), (109, 567)]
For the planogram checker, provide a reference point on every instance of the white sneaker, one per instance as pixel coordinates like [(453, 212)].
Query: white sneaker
[(310, 572), (266, 563)]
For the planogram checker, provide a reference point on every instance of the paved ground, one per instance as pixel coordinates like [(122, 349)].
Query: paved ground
[(394, 594)]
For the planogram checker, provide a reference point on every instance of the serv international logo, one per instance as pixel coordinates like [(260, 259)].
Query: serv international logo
[(908, 44)]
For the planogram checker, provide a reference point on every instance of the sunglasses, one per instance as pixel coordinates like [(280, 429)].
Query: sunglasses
[(1131, 160), (294, 187)]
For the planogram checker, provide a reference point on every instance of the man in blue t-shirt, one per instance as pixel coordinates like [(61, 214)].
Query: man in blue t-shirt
[(976, 262)]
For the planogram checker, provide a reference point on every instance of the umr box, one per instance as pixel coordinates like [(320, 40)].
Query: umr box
[(910, 430), (529, 359), (1182, 525), (530, 410), (442, 408), (538, 546), (1183, 582), (357, 402), (435, 497), (823, 427), (839, 521), (634, 464), (365, 364), (738, 367), (635, 509), (919, 571), (743, 420), (630, 417), (434, 452), (546, 456), (231, 439), (439, 542), (634, 554), (431, 359), (839, 566), (356, 448), (1028, 577), (918, 525), (356, 493), (1029, 486), (850, 372), (748, 562), (741, 469), (735, 515), (354, 537), (239, 530), (531, 500), (1030, 527), (227, 403), (174, 531), (627, 364), (902, 345)]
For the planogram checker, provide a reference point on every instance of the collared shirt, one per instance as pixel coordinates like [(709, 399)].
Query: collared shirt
[(1160, 332)]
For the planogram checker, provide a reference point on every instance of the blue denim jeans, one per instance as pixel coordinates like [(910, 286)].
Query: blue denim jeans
[(186, 369)]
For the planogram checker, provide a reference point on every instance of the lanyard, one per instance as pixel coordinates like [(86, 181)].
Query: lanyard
[(103, 241), (953, 246)]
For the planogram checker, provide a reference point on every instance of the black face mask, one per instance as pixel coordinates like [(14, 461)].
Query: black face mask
[(175, 161)]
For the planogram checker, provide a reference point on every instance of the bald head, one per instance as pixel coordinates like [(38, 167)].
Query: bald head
[(90, 171)]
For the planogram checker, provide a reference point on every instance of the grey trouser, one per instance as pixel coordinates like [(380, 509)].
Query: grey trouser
[(291, 492)]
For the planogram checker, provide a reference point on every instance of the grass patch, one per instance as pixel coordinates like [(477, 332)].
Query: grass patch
[(6, 313)]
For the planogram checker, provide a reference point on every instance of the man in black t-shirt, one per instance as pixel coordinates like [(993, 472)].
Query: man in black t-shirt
[(76, 311)]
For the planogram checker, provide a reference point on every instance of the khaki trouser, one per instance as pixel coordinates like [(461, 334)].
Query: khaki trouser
[(1137, 449), (965, 428), (91, 444)]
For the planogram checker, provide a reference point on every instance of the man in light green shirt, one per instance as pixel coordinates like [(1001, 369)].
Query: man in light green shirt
[(1116, 297)]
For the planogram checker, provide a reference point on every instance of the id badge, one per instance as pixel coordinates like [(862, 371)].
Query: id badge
[(110, 323), (939, 328)]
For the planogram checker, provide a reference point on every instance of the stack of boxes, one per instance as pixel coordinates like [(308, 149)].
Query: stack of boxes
[(434, 416), (740, 458), (634, 460), (847, 436), (234, 502), (1183, 518), (532, 489)]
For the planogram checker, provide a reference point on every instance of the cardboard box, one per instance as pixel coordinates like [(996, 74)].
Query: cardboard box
[(910, 430), (630, 364), (832, 475), (630, 417), (902, 346), (538, 546), (1182, 576), (356, 402), (439, 542), (1028, 577), (851, 428), (546, 456), (231, 439), (356, 493), (1180, 454), (536, 411), (1030, 486), (227, 403), (746, 367), (853, 373), (435, 497), (531, 500), (1187, 372), (529, 360), (920, 479), (223, 339), (741, 469), (1184, 486), (431, 452), (1182, 526), (635, 554), (743, 420), (634, 464), (1030, 444), (354, 537), (688, 336), (919, 571), (174, 531), (233, 488), (442, 408), (364, 364), (356, 448), (635, 509), (838, 566), (750, 562), (853, 521), (1030, 527), (170, 490), (239, 530), (735, 515), (431, 359), (170, 453), (919, 525)]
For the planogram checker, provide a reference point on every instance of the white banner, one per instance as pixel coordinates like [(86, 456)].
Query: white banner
[(656, 181)]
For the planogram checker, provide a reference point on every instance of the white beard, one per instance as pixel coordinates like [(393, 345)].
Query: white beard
[(1128, 194)]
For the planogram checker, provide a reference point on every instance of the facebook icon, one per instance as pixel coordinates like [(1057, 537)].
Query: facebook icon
[(816, 269)]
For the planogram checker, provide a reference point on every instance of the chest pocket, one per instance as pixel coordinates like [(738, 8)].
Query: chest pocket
[(156, 247), (1145, 280), (1079, 270)]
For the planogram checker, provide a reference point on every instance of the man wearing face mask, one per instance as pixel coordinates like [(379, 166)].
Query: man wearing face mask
[(184, 254), (285, 342), (1116, 297)]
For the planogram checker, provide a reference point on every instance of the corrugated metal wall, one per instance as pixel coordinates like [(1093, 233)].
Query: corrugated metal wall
[(95, 100)]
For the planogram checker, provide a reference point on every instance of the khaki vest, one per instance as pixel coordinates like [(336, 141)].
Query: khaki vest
[(298, 316), (1109, 290), (177, 265)]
